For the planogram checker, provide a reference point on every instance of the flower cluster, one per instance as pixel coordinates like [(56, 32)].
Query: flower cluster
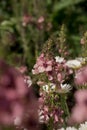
[(56, 70), (55, 75), (48, 112)]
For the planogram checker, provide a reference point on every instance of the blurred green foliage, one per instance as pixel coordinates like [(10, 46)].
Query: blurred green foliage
[(25, 25)]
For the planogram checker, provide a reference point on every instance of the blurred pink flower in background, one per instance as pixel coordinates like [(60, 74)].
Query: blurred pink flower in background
[(82, 41), (40, 23), (27, 19), (18, 104), (81, 96), (22, 69), (81, 76), (41, 19), (79, 111)]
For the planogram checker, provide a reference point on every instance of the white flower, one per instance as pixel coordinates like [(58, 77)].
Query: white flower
[(29, 82), (66, 87), (45, 88), (68, 128), (49, 88), (71, 128), (59, 59), (75, 64), (61, 129), (83, 126), (52, 86), (82, 60)]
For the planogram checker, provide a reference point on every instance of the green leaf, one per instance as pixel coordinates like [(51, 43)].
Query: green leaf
[(65, 3)]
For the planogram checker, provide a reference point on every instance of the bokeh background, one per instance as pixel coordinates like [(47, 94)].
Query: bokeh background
[(25, 25)]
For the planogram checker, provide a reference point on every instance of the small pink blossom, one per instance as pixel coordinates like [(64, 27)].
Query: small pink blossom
[(59, 76), (56, 118), (26, 19), (82, 41), (22, 69), (42, 65), (41, 19)]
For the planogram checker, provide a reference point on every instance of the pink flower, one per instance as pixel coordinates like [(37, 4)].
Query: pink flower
[(41, 19), (81, 96), (57, 115), (22, 69), (82, 41), (79, 114), (42, 65), (81, 76), (59, 76), (41, 83), (26, 19), (27, 81), (79, 111), (17, 101)]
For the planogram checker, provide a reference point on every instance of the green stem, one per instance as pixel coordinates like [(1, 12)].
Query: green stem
[(64, 105)]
